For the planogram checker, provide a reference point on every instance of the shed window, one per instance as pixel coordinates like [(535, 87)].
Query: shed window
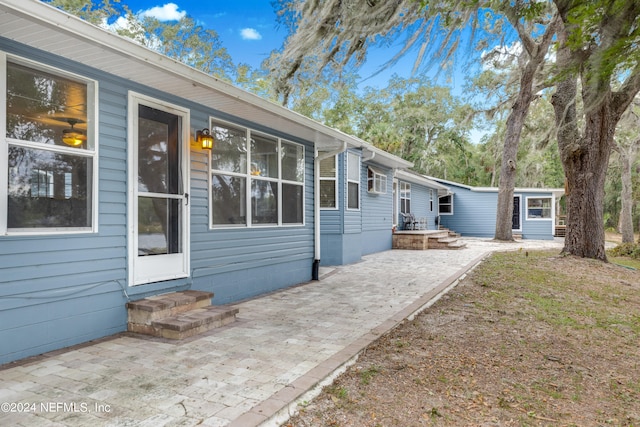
[(328, 183), (353, 181), (539, 208), (256, 179), (51, 155), (376, 181), (405, 197), (445, 205)]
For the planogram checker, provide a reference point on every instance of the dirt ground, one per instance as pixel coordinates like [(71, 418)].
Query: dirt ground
[(527, 339)]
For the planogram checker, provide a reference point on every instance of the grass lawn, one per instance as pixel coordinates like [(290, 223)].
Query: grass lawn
[(526, 339)]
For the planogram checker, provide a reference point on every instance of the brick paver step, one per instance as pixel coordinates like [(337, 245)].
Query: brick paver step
[(194, 322), (147, 310)]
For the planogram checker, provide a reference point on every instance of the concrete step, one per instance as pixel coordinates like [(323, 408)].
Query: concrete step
[(147, 310), (194, 322)]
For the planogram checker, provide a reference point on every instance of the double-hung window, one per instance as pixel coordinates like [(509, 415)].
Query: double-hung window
[(256, 179), (445, 205), (405, 197), (48, 137), (353, 181), (328, 183), (376, 181)]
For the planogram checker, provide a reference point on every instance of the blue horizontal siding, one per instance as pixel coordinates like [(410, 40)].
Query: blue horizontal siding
[(474, 214), (60, 290)]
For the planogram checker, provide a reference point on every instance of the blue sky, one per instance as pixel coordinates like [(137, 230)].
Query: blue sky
[(247, 28)]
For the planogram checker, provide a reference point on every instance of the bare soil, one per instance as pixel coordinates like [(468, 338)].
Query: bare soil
[(527, 339)]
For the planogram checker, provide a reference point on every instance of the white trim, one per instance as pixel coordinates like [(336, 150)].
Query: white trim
[(4, 147), (395, 209), (551, 218), (381, 178), (400, 198), (335, 184), (431, 199), (158, 264), (249, 179), (359, 181), (90, 152), (450, 204)]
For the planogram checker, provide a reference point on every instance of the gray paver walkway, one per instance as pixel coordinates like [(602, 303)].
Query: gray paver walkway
[(248, 373)]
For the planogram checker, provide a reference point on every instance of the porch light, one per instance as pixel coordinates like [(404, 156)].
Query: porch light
[(205, 139)]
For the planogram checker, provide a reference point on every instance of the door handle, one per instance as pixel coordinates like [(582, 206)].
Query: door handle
[(186, 197)]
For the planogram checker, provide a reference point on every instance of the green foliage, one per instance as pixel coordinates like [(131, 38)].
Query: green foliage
[(95, 12), (631, 250)]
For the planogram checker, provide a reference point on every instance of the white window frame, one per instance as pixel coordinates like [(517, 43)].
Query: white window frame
[(356, 157), (92, 134), (334, 178), (405, 194), (440, 204), (431, 190), (377, 183), (249, 178), (160, 267), (551, 213)]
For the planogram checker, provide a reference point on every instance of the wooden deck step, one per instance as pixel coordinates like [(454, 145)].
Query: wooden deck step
[(177, 315)]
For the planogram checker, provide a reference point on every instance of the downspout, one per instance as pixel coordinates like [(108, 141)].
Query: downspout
[(315, 271)]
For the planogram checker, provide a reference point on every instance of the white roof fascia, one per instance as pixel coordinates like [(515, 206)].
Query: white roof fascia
[(106, 46), (556, 191), (423, 180)]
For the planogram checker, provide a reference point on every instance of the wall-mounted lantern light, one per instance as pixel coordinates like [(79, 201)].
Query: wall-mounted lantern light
[(205, 139)]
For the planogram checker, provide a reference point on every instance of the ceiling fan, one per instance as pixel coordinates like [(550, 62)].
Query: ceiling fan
[(71, 136)]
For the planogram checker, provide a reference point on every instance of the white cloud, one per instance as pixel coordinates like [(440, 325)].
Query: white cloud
[(168, 12), (250, 34)]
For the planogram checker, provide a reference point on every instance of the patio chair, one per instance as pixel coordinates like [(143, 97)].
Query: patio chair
[(422, 223), (409, 221)]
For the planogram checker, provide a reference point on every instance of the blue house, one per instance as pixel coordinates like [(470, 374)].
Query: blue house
[(417, 195), (356, 202), (110, 193), (471, 211)]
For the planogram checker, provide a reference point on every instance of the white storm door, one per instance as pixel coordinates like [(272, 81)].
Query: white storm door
[(159, 212)]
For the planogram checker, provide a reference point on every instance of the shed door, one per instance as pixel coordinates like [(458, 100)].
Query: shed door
[(515, 219), (160, 201)]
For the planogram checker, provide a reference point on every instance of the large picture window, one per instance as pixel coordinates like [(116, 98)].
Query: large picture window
[(256, 179), (51, 150), (538, 207)]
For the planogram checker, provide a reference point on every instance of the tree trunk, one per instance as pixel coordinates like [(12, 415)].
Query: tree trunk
[(535, 54), (504, 214), (585, 160), (626, 218), (586, 170)]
